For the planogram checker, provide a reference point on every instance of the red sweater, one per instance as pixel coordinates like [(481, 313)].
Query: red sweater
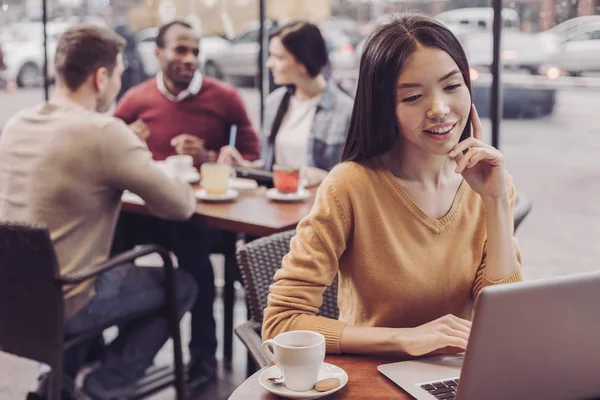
[(207, 115)]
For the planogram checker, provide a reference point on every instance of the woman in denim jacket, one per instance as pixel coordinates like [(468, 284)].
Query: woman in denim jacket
[(306, 120)]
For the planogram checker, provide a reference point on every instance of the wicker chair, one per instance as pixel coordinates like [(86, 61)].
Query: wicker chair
[(32, 305), (258, 261)]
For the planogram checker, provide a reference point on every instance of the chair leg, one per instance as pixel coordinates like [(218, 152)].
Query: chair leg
[(174, 319), (251, 366), (229, 298), (55, 382)]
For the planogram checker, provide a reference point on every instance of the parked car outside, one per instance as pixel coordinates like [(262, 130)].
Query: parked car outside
[(23, 47), (479, 18), (565, 29), (527, 73), (238, 57), (579, 49), (348, 27), (523, 54)]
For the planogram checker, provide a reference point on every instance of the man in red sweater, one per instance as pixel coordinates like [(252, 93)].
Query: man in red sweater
[(180, 111)]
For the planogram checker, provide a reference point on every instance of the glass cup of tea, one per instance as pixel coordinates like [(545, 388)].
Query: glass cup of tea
[(286, 179), (215, 177)]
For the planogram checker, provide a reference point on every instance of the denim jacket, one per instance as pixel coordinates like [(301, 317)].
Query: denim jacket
[(328, 132)]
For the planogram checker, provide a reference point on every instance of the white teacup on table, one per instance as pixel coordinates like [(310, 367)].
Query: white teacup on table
[(299, 355), (179, 166)]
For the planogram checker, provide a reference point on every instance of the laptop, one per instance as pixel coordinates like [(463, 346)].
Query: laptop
[(261, 176), (529, 340)]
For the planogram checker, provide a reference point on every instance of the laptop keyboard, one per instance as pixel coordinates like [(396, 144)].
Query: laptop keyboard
[(442, 390)]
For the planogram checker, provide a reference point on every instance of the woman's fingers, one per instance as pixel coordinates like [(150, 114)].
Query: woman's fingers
[(480, 155), (476, 122), (465, 145), (465, 161), (462, 327), (454, 340)]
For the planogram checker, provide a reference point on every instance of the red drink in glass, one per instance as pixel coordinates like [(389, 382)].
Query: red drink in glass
[(286, 179)]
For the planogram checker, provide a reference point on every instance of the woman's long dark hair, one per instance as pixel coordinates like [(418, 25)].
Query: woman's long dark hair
[(305, 42), (373, 128)]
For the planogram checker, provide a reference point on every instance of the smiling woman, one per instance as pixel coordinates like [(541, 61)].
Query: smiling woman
[(435, 203)]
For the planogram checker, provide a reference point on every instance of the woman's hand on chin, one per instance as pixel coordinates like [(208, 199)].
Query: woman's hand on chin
[(482, 165)]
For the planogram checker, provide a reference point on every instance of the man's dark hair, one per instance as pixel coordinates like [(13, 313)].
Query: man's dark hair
[(160, 37), (82, 50)]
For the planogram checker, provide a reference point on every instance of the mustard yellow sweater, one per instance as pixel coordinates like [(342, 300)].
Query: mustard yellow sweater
[(398, 267)]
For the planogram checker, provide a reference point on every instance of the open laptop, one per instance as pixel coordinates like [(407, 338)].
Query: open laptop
[(529, 340), (262, 177)]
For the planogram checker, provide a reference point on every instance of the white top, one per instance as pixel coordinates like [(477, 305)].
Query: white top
[(291, 143)]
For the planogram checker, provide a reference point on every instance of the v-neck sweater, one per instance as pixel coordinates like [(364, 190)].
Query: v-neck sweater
[(397, 266)]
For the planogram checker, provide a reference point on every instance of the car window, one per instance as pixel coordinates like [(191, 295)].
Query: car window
[(248, 37), (596, 35), (580, 38), (149, 39)]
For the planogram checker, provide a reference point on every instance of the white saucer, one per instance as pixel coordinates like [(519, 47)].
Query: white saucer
[(192, 177), (275, 194), (242, 184), (201, 194), (327, 371)]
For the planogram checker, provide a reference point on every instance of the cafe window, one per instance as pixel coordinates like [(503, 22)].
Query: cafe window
[(549, 130)]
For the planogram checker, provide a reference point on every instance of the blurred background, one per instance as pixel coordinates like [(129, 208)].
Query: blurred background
[(550, 131)]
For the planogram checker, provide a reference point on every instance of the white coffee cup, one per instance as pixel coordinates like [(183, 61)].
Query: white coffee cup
[(180, 165), (299, 355)]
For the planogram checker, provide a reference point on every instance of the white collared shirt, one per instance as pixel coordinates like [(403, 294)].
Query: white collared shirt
[(192, 89)]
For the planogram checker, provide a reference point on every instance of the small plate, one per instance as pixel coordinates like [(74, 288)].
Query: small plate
[(276, 195), (242, 184), (327, 371), (201, 194), (192, 177)]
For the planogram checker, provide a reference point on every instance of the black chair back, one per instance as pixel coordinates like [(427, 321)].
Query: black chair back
[(31, 299)]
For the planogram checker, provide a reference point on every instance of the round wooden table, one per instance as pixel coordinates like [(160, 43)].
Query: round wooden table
[(364, 382)]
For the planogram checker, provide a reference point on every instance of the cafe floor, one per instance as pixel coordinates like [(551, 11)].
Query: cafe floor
[(228, 379)]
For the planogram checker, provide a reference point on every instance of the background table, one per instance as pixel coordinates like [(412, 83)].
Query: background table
[(364, 382), (251, 213)]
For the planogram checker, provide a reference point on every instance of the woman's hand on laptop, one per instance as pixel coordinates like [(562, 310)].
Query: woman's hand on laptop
[(448, 334)]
